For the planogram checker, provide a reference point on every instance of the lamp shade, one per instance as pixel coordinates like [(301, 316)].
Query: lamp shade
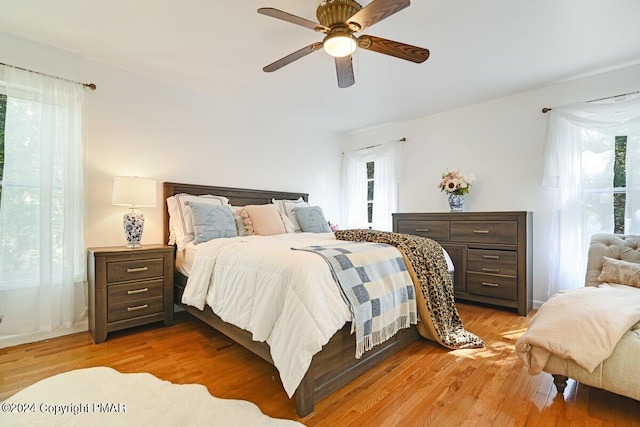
[(133, 191)]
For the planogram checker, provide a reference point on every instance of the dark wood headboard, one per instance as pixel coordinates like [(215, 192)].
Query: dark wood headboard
[(236, 196)]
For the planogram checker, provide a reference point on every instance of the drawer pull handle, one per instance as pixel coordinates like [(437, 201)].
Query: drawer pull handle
[(138, 291), (142, 307), (422, 230), (481, 231), (491, 270), (493, 285), (490, 256), (137, 270)]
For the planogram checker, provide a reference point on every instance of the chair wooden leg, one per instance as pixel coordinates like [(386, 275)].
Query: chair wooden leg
[(560, 382)]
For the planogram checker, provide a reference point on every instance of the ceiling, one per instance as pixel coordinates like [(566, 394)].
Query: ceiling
[(480, 50)]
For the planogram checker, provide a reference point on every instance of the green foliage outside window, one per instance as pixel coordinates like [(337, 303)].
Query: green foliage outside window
[(3, 113), (619, 184)]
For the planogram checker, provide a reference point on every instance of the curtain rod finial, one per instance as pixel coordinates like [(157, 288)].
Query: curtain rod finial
[(403, 139), (546, 110), (91, 86)]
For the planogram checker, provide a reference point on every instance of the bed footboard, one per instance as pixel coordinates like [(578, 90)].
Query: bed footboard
[(331, 368)]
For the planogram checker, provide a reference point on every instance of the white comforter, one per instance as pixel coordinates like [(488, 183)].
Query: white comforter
[(288, 298)]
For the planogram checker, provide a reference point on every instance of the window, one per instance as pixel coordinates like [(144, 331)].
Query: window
[(619, 184), (592, 168), (42, 254), (370, 189), (370, 186)]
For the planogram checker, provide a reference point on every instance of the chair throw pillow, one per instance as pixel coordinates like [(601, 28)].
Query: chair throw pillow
[(619, 271)]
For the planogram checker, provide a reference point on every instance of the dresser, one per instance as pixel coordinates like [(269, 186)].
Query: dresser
[(491, 253), (129, 287)]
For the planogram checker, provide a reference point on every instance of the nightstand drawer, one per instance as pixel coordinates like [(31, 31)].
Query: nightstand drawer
[(492, 261), (500, 232), (137, 308), (492, 286), (436, 230), (122, 271), (135, 291)]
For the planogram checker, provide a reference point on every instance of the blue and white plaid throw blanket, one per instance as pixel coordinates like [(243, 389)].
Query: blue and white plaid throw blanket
[(377, 287)]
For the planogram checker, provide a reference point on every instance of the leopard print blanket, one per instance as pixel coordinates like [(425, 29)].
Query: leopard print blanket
[(430, 265)]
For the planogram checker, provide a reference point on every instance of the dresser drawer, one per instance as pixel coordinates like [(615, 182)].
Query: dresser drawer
[(135, 291), (436, 230), (489, 285), (492, 232), (492, 261), (121, 271), (137, 308)]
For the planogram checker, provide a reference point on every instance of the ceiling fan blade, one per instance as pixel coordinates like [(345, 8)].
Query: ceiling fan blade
[(344, 69), (389, 47), (292, 57), (275, 13), (376, 11)]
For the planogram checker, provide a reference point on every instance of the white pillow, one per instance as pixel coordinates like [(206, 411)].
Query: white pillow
[(286, 209), (181, 230)]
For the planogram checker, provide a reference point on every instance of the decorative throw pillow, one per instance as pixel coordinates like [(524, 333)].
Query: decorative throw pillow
[(311, 219), (181, 219), (619, 271), (237, 212), (263, 220), (211, 221)]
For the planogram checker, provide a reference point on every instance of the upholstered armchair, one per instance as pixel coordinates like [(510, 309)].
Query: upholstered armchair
[(620, 373)]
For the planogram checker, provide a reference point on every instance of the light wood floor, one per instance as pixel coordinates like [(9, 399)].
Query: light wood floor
[(422, 385)]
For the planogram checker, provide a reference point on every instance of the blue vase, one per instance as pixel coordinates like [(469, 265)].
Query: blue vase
[(456, 201)]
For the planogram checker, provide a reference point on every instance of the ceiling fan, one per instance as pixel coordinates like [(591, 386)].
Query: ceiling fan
[(339, 20)]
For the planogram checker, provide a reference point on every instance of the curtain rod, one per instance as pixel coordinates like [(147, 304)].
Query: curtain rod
[(546, 109), (377, 145), (91, 86)]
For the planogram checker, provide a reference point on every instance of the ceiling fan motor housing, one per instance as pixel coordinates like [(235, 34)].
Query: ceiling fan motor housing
[(333, 12)]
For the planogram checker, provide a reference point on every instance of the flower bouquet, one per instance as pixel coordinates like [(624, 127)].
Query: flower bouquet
[(456, 182), (456, 185)]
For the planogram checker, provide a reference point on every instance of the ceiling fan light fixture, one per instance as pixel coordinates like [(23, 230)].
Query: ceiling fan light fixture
[(339, 44)]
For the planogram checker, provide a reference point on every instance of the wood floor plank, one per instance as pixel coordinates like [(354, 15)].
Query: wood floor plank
[(422, 385)]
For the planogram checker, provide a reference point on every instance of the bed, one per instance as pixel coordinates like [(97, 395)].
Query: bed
[(330, 368)]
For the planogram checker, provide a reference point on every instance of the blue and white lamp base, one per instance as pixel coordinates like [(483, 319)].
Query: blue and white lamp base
[(133, 221)]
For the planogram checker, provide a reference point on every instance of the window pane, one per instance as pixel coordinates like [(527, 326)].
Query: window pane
[(3, 110), (370, 212), (370, 168), (619, 177), (370, 191), (619, 204)]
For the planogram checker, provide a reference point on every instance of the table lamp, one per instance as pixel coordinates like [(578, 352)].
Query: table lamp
[(133, 192)]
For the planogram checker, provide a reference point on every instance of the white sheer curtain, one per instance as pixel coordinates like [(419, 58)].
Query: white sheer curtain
[(387, 170), (579, 161), (42, 253)]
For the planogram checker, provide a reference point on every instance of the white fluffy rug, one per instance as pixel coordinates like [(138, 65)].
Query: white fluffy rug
[(105, 397)]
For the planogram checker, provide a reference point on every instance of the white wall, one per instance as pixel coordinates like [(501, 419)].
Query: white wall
[(140, 126), (501, 141)]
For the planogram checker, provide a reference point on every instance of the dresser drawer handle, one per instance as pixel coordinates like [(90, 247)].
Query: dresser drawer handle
[(422, 230), (491, 270), (142, 307), (481, 231), (137, 270), (141, 291), (493, 285), (491, 256)]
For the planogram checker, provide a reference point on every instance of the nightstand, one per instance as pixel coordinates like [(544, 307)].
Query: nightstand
[(129, 287)]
